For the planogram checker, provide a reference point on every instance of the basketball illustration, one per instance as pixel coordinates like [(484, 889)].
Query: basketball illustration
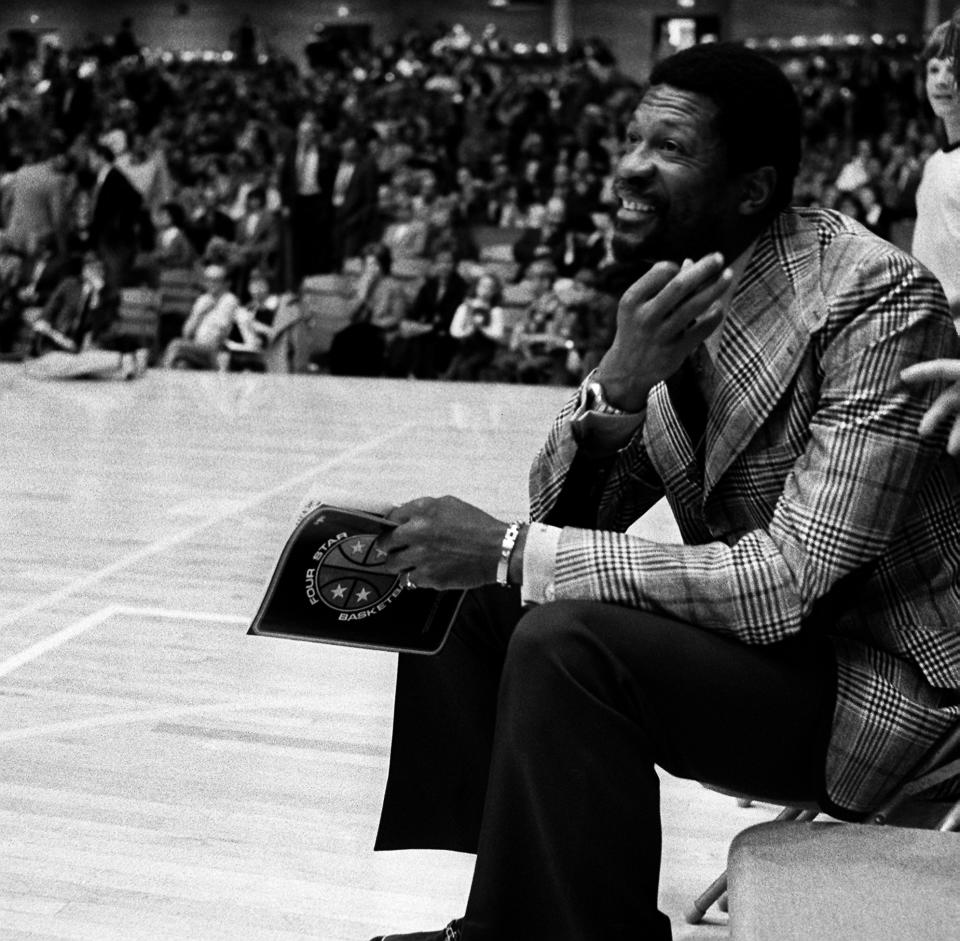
[(349, 576)]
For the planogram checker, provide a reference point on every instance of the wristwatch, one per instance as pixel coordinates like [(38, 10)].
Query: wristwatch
[(593, 398)]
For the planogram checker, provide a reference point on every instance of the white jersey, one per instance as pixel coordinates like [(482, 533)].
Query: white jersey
[(936, 238)]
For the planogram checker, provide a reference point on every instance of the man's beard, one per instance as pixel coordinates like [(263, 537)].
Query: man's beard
[(633, 252)]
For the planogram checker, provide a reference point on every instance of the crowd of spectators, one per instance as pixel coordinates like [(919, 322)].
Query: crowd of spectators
[(251, 169)]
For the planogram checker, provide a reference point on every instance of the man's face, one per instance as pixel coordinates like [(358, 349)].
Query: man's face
[(443, 264), (677, 198), (307, 129)]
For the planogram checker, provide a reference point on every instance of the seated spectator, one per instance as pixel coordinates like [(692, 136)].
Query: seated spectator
[(540, 343), (406, 233), (447, 226), (477, 329), (510, 207), (876, 216), (172, 248), (849, 204), (380, 304), (252, 329), (80, 306), (26, 284), (257, 241), (470, 196), (11, 266), (206, 330), (423, 347), (209, 221), (552, 240), (593, 324), (76, 333), (855, 172)]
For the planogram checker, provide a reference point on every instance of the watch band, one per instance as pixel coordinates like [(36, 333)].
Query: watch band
[(506, 550)]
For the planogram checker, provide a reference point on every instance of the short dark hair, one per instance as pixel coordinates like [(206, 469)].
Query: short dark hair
[(382, 253), (942, 41), (758, 114)]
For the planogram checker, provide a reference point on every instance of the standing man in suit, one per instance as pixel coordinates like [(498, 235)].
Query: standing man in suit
[(305, 191), (114, 214), (354, 199), (813, 609)]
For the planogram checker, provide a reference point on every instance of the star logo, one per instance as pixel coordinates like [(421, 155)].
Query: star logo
[(349, 577)]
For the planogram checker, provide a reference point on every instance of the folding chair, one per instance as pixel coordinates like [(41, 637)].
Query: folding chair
[(275, 355), (904, 808), (178, 289), (139, 318), (326, 307)]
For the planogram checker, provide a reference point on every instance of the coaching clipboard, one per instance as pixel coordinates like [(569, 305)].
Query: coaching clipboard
[(329, 586)]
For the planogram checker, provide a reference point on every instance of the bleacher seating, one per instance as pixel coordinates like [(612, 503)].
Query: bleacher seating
[(326, 302), (178, 289)]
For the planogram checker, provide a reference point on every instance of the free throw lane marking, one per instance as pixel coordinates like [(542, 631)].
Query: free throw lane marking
[(185, 534)]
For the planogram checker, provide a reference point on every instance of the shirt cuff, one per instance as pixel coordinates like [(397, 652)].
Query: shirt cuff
[(540, 564)]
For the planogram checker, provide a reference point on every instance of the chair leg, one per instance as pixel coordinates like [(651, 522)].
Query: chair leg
[(694, 914), (718, 888)]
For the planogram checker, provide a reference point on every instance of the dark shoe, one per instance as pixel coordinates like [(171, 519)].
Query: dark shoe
[(450, 933)]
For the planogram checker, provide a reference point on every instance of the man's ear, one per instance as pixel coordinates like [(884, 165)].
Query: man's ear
[(757, 190)]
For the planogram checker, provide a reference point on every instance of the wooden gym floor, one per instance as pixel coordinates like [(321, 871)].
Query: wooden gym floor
[(164, 776)]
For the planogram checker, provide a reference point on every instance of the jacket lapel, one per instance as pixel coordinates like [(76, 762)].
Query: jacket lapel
[(777, 305), (670, 448)]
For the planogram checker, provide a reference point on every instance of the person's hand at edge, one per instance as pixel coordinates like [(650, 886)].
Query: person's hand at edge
[(946, 405)]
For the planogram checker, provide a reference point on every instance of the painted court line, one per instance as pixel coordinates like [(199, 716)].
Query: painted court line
[(138, 715), (163, 713), (97, 618), (171, 614), (56, 640), (186, 534)]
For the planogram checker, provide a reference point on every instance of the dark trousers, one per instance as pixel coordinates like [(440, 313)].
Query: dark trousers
[(532, 741), (310, 241)]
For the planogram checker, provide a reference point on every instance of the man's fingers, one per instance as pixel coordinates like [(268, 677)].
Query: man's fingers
[(703, 326), (953, 442), (650, 284), (945, 405), (707, 276), (936, 370), (694, 309)]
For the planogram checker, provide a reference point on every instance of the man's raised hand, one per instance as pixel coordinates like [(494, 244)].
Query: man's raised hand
[(661, 319)]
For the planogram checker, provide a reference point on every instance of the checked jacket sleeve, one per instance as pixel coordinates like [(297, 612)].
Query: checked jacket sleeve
[(823, 466)]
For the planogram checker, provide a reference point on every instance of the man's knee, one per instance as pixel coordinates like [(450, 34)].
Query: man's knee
[(552, 636)]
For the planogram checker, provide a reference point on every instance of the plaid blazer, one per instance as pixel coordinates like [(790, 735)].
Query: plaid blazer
[(813, 501)]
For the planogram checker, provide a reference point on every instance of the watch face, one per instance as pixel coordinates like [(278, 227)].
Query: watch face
[(595, 397)]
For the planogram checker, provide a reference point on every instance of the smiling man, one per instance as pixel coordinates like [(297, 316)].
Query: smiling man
[(803, 643)]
